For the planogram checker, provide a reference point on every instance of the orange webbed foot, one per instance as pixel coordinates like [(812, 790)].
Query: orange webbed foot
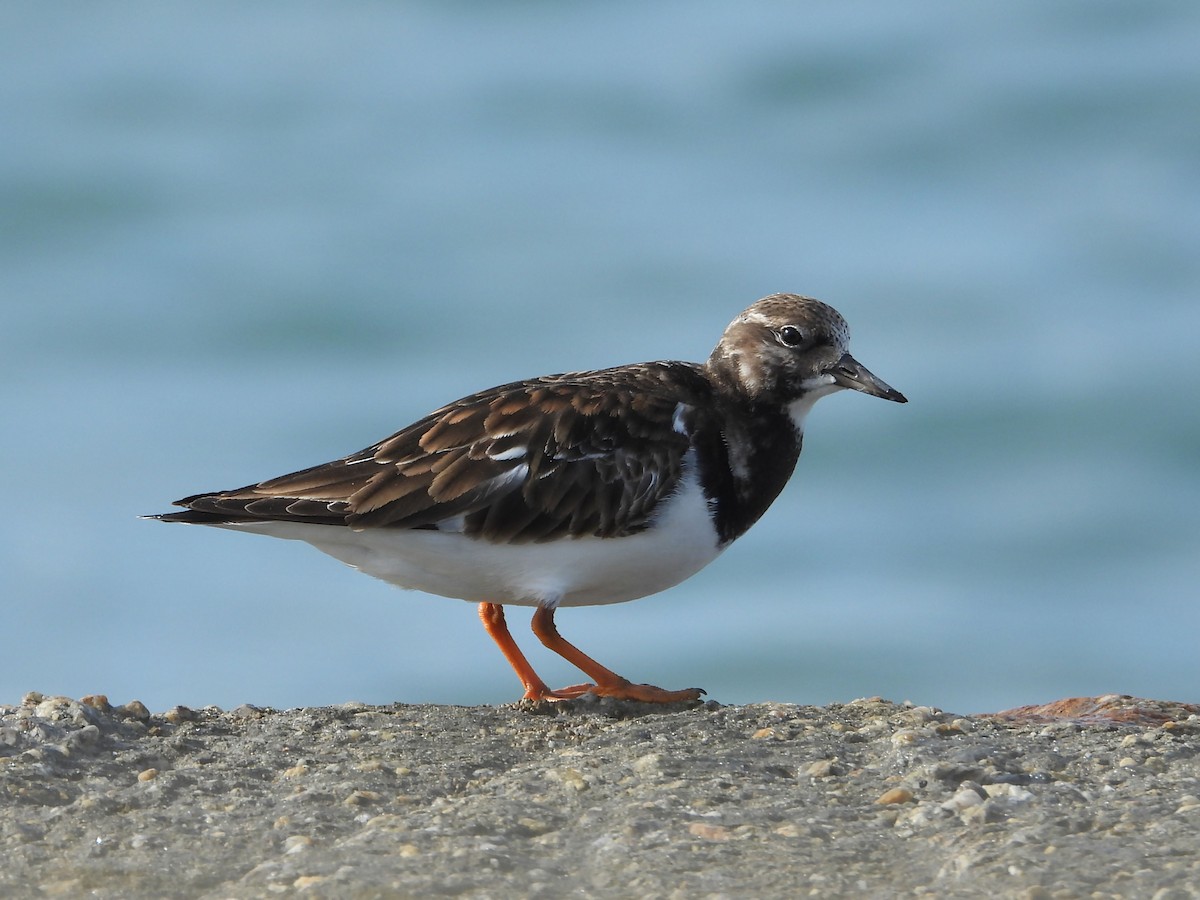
[(541, 692), (621, 689), (646, 693)]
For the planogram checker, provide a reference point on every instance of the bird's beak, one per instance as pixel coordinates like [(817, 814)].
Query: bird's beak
[(850, 373)]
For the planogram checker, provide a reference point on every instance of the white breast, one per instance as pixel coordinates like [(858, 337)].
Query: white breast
[(568, 572)]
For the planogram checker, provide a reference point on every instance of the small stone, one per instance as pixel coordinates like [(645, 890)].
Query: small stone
[(535, 827), (177, 715), (62, 709), (296, 771), (408, 851), (1172, 893), (84, 737), (361, 798), (978, 815), (904, 737), (650, 764), (296, 843), (387, 821), (965, 798), (1127, 762), (134, 709), (570, 778), (1187, 803), (822, 768), (63, 887), (921, 714), (147, 774), (895, 795), (707, 832), (1012, 793), (307, 881)]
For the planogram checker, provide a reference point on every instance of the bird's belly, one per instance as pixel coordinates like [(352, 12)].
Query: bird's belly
[(579, 571)]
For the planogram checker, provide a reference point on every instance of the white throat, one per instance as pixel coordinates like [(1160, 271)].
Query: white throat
[(814, 389)]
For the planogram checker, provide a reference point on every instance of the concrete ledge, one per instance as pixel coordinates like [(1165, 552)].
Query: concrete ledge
[(599, 799)]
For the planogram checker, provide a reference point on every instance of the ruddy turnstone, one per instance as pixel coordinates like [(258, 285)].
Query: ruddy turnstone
[(575, 489)]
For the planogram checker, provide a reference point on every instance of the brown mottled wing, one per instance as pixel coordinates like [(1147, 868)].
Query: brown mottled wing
[(581, 454)]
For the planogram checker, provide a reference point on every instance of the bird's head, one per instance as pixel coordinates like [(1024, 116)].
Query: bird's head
[(789, 350)]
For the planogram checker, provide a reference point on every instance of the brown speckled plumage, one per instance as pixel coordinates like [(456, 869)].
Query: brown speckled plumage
[(586, 453)]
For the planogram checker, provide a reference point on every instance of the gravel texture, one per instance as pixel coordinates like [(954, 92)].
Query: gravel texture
[(594, 798)]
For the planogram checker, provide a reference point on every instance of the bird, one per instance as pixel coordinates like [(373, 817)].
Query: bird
[(577, 489)]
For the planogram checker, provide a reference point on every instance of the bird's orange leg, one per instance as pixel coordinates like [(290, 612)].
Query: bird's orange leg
[(492, 616), (608, 683)]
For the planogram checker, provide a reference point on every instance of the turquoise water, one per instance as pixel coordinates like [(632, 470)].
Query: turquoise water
[(241, 240)]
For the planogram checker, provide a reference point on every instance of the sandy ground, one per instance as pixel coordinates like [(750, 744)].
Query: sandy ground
[(599, 799)]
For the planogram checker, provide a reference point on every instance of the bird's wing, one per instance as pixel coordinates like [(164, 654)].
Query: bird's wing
[(587, 453)]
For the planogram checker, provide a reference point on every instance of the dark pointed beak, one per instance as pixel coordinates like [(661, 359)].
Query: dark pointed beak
[(849, 372)]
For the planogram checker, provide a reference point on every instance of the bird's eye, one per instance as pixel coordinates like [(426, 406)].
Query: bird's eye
[(790, 336)]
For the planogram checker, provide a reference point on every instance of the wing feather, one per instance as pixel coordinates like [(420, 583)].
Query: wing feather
[(588, 453)]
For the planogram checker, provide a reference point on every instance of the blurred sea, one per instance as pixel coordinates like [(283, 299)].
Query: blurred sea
[(236, 240)]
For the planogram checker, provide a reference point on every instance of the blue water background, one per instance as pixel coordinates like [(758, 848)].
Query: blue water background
[(239, 239)]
